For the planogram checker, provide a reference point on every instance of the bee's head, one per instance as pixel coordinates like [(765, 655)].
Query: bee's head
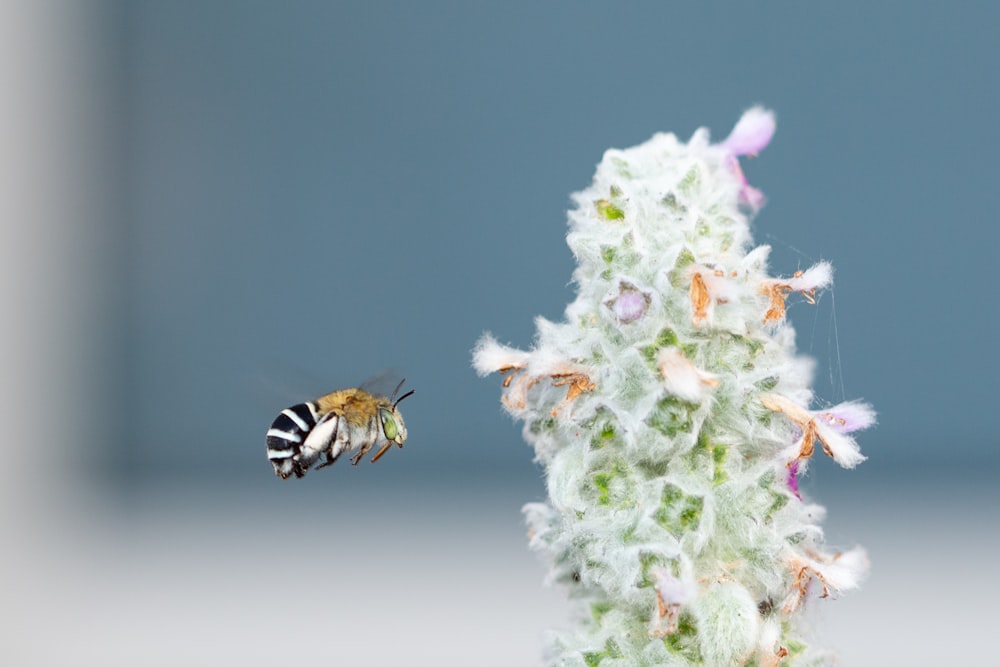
[(392, 425), (392, 421)]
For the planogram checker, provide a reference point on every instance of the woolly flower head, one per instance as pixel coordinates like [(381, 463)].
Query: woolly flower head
[(673, 416)]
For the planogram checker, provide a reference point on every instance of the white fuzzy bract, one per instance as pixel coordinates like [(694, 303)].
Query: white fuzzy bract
[(682, 378), (671, 411)]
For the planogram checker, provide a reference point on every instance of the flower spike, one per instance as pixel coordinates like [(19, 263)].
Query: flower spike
[(670, 411)]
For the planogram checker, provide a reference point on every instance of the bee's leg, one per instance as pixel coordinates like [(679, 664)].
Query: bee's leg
[(330, 458), (320, 442), (361, 452)]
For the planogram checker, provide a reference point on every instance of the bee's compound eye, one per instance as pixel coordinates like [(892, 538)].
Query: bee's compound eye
[(388, 425)]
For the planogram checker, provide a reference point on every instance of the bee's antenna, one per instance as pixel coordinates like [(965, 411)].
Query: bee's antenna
[(400, 399), (396, 391)]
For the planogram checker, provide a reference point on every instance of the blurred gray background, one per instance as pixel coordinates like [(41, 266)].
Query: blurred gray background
[(213, 210)]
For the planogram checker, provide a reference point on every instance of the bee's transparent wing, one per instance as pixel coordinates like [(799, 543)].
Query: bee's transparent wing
[(383, 383)]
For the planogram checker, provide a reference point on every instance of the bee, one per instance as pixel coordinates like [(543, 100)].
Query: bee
[(341, 421)]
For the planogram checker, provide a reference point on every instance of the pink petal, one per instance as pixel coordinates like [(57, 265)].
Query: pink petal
[(749, 195), (793, 478), (629, 306), (752, 132), (672, 591), (752, 197), (847, 417)]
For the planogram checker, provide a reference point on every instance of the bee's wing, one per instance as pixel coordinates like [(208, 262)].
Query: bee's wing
[(383, 383), (276, 386)]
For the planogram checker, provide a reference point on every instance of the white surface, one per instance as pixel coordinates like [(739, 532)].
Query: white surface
[(224, 583), (420, 580)]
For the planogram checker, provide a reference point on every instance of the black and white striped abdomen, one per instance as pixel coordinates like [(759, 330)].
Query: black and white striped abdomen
[(285, 437)]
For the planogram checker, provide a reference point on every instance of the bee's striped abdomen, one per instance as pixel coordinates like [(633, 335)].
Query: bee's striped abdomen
[(285, 437)]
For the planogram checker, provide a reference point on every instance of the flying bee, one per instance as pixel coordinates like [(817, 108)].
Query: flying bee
[(341, 421)]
